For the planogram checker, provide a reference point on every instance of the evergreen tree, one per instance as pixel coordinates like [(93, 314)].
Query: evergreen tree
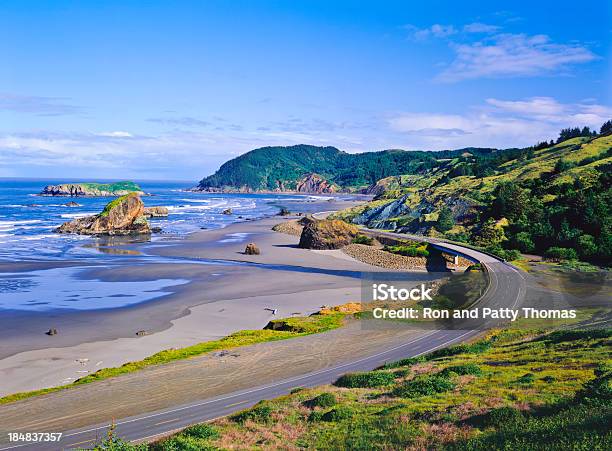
[(445, 220)]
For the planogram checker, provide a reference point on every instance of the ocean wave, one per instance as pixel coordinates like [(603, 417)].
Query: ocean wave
[(77, 215)]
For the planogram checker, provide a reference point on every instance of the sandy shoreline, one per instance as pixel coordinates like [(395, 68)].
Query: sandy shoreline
[(218, 300)]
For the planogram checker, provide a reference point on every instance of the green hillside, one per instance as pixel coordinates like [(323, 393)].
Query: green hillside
[(552, 199), (517, 389), (270, 168)]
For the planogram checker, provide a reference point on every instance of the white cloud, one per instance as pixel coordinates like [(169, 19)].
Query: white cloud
[(498, 123), (436, 30), (117, 134), (512, 55), (478, 27)]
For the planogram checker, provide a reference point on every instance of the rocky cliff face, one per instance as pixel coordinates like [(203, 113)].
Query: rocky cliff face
[(92, 189), (308, 184), (315, 184), (122, 216)]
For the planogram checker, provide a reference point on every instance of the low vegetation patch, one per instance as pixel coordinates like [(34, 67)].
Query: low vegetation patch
[(260, 413), (424, 386), (364, 239), (365, 380), (462, 370), (323, 400), (409, 251)]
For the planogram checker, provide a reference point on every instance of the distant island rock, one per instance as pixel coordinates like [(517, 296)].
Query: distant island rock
[(122, 216), (92, 189)]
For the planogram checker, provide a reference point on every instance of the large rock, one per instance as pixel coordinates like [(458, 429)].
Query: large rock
[(314, 183), (155, 212), (122, 216), (327, 234)]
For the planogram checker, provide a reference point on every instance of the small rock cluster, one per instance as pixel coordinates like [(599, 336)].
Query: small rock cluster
[(378, 257), (155, 212), (289, 227)]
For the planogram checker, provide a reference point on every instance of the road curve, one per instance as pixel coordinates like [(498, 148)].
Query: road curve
[(506, 289)]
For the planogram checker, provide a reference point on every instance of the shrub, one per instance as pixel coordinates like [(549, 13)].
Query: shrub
[(462, 370), (526, 378), (404, 362), (323, 400), (549, 379), (363, 239), (365, 380), (424, 386), (500, 418), (600, 387), (202, 430), (560, 253), (179, 443), (338, 414), (408, 251), (260, 413), (315, 416), (561, 336), (401, 373), (475, 348), (446, 221), (523, 242)]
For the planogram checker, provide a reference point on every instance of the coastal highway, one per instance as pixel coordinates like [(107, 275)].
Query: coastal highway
[(506, 289), (156, 424)]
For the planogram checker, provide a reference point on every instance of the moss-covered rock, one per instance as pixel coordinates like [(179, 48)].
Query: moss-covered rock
[(122, 216), (327, 234)]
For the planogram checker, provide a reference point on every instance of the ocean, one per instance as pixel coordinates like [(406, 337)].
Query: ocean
[(27, 223), (27, 220)]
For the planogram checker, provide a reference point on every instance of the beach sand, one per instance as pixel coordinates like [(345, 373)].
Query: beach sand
[(218, 300)]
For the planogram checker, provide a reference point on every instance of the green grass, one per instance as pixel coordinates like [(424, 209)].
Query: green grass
[(112, 187), (301, 326), (113, 203), (516, 389)]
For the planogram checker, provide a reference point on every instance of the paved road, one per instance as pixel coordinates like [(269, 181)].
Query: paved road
[(506, 289)]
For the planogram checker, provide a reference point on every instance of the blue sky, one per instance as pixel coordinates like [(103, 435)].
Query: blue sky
[(170, 90)]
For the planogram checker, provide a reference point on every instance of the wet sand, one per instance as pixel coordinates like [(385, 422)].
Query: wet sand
[(221, 298)]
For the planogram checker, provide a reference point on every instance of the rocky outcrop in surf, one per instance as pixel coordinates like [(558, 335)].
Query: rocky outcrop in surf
[(122, 216), (155, 212)]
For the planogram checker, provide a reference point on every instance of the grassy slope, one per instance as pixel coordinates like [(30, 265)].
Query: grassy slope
[(535, 376), (295, 327), (424, 192)]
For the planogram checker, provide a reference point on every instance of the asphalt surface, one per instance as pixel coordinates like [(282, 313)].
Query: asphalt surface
[(506, 289)]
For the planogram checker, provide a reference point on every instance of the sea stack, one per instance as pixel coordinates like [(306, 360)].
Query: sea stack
[(122, 216)]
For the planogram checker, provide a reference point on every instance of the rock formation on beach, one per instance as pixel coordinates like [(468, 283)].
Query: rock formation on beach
[(252, 249), (122, 216), (327, 234), (92, 189), (155, 212)]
